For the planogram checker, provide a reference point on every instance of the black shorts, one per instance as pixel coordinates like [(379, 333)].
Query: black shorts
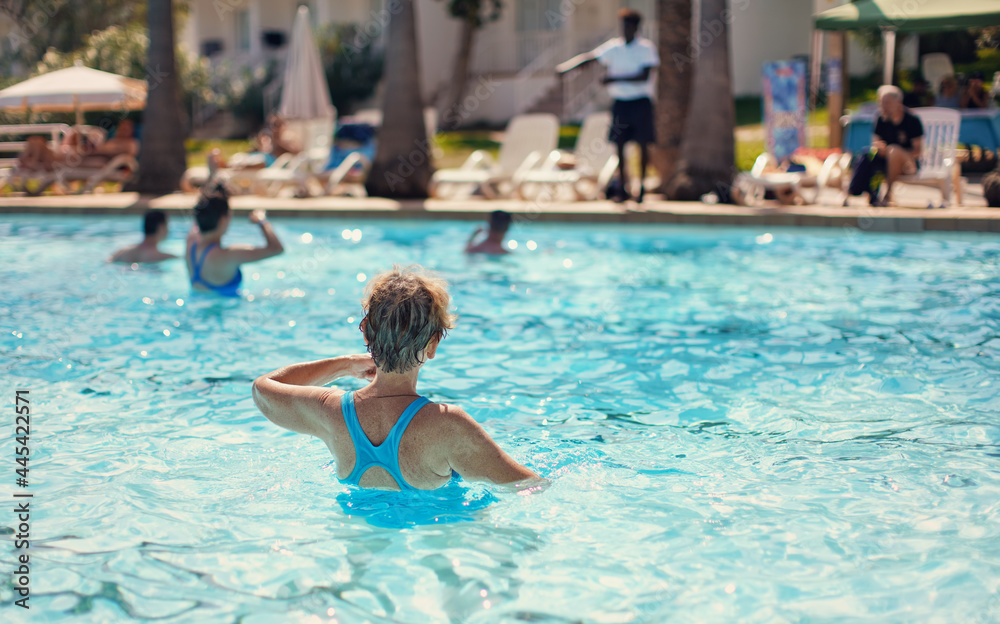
[(632, 120)]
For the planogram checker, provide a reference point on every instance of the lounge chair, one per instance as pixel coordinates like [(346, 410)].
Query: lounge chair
[(754, 184), (295, 171), (342, 182), (527, 139), (240, 172), (594, 159), (119, 169), (938, 163)]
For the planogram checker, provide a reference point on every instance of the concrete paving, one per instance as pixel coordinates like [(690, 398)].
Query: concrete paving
[(911, 216)]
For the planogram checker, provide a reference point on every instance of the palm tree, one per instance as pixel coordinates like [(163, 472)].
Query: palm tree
[(673, 91), (162, 160), (402, 166), (708, 153), (473, 17)]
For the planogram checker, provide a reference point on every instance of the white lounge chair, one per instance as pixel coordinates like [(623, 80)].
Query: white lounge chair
[(938, 163), (295, 171), (526, 140), (594, 162), (119, 169), (340, 181), (239, 174), (753, 185)]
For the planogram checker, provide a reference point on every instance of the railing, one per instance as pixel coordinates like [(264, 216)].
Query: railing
[(56, 131), (538, 76), (582, 86), (505, 56)]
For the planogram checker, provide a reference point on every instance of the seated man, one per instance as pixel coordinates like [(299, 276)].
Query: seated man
[(494, 241), (385, 435), (212, 267), (154, 225), (895, 147)]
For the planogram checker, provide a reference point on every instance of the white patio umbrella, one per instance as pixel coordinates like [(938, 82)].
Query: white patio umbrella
[(75, 89), (305, 96)]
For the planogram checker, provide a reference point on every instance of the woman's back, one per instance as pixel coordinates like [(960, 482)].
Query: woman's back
[(406, 316), (388, 442)]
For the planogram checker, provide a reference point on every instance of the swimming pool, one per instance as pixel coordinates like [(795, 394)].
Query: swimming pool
[(740, 425)]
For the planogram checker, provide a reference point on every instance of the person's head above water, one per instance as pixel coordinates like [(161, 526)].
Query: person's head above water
[(154, 223), (212, 210), (406, 316), (630, 23), (500, 222)]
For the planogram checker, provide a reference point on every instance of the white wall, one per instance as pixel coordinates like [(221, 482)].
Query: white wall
[(437, 36), (762, 31)]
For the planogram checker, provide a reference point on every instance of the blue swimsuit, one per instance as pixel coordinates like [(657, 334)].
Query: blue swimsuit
[(229, 289), (385, 455)]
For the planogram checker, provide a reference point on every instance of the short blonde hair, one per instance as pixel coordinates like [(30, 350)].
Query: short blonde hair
[(891, 91), (405, 309)]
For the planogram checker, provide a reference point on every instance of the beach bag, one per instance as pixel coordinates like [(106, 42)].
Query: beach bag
[(868, 175)]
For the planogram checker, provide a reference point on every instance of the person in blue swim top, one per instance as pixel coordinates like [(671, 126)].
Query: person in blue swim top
[(212, 267), (385, 435)]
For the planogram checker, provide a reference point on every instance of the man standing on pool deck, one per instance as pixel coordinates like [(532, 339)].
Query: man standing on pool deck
[(630, 60), (154, 226), (385, 435)]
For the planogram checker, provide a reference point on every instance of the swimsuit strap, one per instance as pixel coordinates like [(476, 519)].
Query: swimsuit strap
[(386, 454), (197, 264)]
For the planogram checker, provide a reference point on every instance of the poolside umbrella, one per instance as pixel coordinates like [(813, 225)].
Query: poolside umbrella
[(305, 96), (908, 16), (75, 89)]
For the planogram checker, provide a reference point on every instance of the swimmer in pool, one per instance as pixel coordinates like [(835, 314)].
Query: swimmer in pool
[(212, 267), (154, 225), (494, 242), (385, 435)]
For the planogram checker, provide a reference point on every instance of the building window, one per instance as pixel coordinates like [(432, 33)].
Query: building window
[(243, 30), (535, 15)]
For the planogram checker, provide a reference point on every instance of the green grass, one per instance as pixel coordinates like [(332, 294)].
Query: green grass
[(197, 149), (456, 146)]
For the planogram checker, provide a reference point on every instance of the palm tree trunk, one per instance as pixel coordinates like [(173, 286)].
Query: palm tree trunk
[(162, 160), (708, 153), (460, 81), (402, 167), (673, 90)]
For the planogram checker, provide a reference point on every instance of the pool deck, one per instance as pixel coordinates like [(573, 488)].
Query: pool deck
[(909, 218)]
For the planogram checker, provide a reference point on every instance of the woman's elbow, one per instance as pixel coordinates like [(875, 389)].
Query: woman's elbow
[(260, 394)]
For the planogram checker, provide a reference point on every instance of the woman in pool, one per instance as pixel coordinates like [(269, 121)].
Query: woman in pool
[(212, 267), (385, 435)]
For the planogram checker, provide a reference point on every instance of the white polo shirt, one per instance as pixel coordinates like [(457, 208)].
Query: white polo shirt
[(628, 59)]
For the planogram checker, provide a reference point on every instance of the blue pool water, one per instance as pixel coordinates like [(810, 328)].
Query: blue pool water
[(740, 425)]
